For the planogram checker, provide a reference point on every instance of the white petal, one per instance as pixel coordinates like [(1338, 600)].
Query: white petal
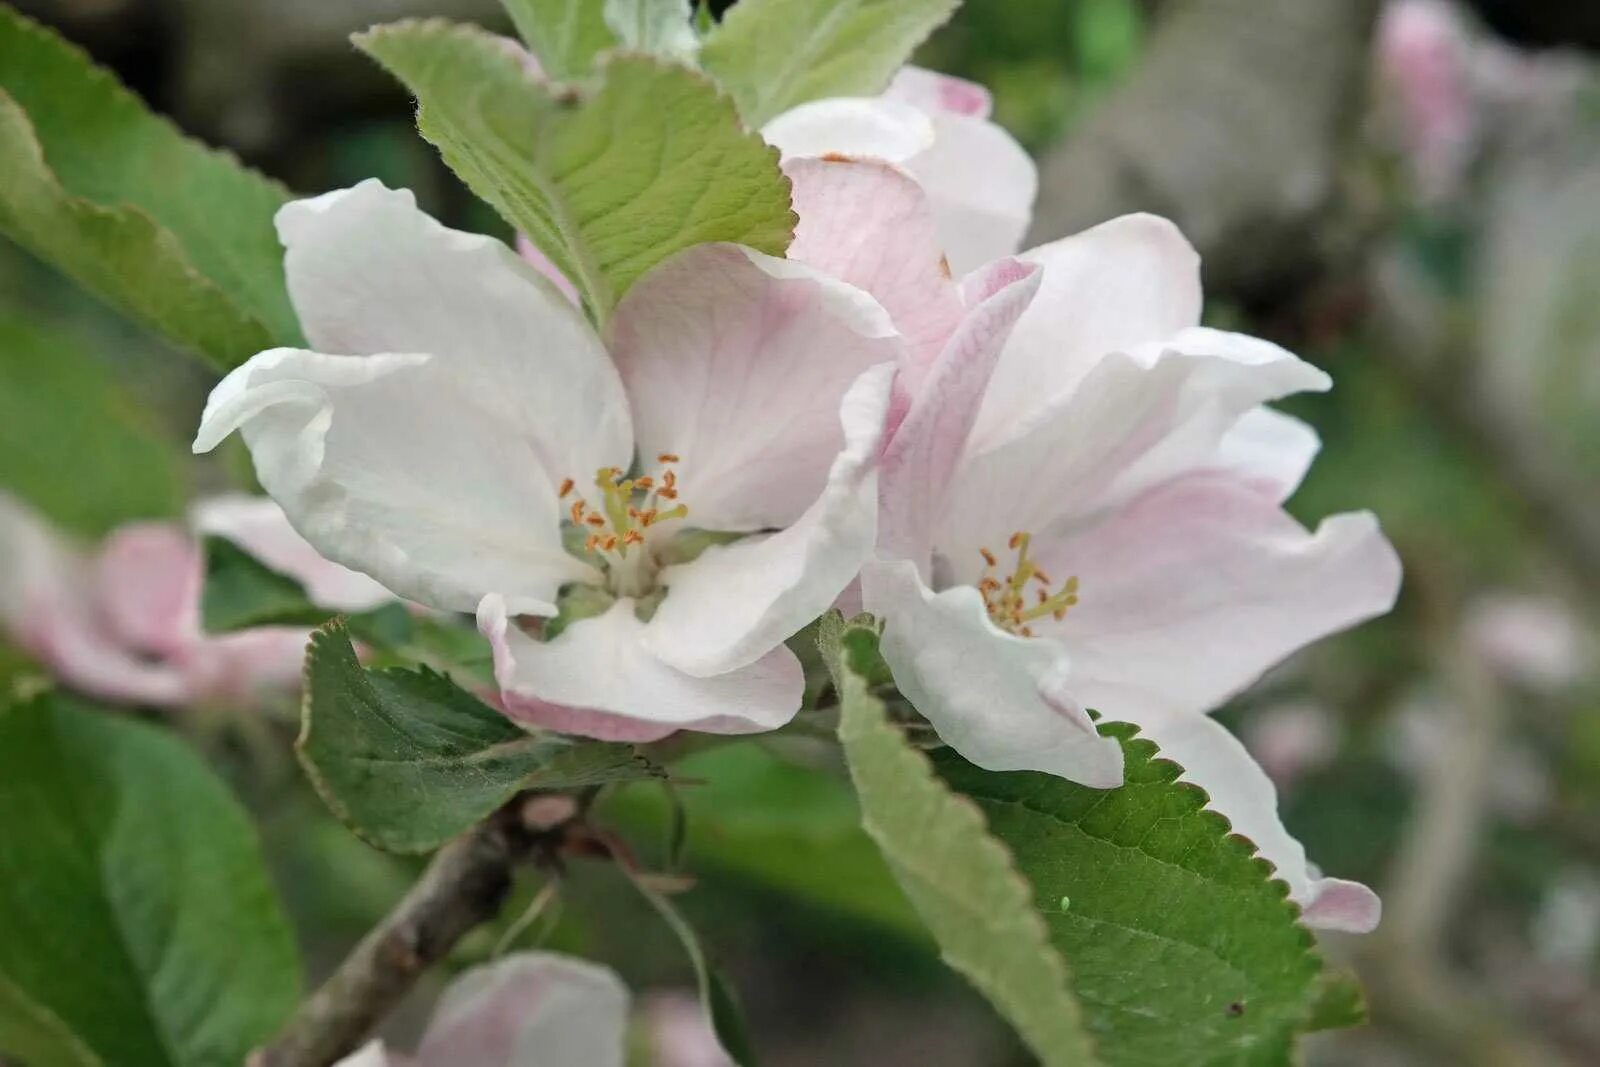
[(1122, 284), (1270, 450), (597, 678), (934, 92), (1193, 590), (982, 184), (530, 1009), (370, 273), (372, 1054), (1213, 759), (868, 127), (258, 525), (737, 602), (736, 362), (1136, 421), (995, 698), (388, 465)]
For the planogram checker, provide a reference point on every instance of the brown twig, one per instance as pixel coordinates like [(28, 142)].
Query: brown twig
[(463, 887)]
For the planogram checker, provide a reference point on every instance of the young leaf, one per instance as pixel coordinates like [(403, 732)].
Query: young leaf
[(566, 35), (1177, 934), (176, 234), (407, 759), (72, 443), (607, 185), (774, 54), (135, 913), (660, 27), (960, 878)]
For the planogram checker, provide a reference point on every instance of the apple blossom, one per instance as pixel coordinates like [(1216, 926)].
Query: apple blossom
[(469, 441), (122, 622), (1081, 502)]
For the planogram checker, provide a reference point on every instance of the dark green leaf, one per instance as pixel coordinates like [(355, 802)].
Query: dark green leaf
[(608, 184), (241, 591), (407, 759), (134, 908), (172, 232)]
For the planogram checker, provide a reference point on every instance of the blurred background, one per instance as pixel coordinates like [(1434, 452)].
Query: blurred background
[(1406, 193)]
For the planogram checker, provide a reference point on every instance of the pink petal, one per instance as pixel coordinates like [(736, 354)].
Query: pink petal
[(599, 679), (870, 224), (982, 184), (933, 92), (147, 587), (541, 263), (737, 363)]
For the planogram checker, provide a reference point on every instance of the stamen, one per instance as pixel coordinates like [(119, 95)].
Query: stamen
[(667, 457), (1006, 598), (627, 506), (566, 487)]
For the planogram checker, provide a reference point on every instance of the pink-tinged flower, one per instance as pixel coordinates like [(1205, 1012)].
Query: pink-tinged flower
[(531, 1009), (122, 622), (1535, 641), (469, 447), (1081, 503), (980, 183)]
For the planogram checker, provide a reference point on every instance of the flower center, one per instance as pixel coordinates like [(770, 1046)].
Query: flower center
[(629, 510), (1007, 598)]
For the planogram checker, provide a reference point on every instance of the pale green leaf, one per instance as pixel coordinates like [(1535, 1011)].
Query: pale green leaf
[(134, 906), (774, 54), (660, 27), (607, 184), (407, 759), (172, 232), (72, 443), (565, 35), (960, 878)]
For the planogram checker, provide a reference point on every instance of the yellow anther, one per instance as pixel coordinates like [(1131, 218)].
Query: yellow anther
[(566, 487), (1006, 598), (667, 457), (627, 506)]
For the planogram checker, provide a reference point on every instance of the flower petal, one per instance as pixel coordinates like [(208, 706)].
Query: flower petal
[(1214, 760), (535, 258), (928, 443), (995, 698), (982, 184), (1270, 450), (1194, 589), (258, 525), (1122, 284), (529, 1008), (870, 224), (371, 273), (737, 602), (933, 92), (389, 465), (1137, 420), (372, 1054), (598, 678), (868, 127), (147, 587), (736, 362)]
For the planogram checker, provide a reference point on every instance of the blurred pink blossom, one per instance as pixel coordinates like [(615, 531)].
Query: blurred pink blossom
[(1536, 641)]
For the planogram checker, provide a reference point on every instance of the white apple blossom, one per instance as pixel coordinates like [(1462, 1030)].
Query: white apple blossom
[(1081, 501), (465, 437)]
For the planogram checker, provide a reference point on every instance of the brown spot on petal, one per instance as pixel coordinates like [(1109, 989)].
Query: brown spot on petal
[(944, 266)]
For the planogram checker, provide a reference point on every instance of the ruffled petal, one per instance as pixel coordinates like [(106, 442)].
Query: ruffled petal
[(997, 699), (1214, 760), (736, 362), (870, 224), (147, 586), (1138, 419), (1190, 592), (598, 679), (737, 602), (865, 127), (982, 184), (388, 464), (258, 525), (933, 92), (1270, 450), (1120, 285), (371, 273), (928, 443), (529, 1008)]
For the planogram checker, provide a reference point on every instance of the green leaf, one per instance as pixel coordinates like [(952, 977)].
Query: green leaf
[(134, 908), (241, 592), (660, 27), (176, 234), (566, 35), (72, 443), (960, 878), (1339, 1002), (1177, 934), (407, 759), (775, 54), (608, 184)]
